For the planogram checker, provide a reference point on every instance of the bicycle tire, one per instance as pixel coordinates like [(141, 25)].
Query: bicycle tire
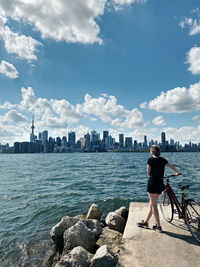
[(192, 217), (166, 206)]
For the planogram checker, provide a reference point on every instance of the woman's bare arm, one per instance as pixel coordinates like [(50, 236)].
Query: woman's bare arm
[(173, 168)]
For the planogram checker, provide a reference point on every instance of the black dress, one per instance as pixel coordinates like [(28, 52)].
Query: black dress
[(155, 183)]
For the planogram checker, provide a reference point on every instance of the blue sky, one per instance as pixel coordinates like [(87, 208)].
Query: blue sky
[(127, 66)]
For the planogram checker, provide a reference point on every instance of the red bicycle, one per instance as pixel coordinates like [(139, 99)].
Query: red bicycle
[(188, 209)]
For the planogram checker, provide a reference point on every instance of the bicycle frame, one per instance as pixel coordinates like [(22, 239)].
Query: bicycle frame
[(180, 206)]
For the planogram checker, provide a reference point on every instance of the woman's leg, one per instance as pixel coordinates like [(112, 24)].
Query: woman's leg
[(150, 212), (153, 199)]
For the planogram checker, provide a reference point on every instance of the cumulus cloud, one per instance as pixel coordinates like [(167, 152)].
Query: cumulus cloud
[(120, 4), (61, 20), (193, 58), (24, 47), (13, 116), (59, 115), (8, 105), (159, 121), (9, 70), (109, 111), (143, 105), (192, 22), (178, 100), (185, 134)]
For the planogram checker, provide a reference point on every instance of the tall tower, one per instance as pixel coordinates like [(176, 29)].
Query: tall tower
[(32, 135)]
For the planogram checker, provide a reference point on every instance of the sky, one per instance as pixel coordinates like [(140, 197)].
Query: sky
[(126, 66)]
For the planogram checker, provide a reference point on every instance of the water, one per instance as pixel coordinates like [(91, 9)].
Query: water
[(38, 189)]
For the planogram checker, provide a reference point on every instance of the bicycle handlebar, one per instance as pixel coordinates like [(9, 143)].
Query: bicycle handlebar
[(172, 175)]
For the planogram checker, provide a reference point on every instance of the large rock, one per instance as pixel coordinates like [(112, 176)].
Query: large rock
[(58, 230), (115, 221), (111, 238), (79, 235), (123, 211), (94, 225), (78, 257), (94, 212), (103, 258)]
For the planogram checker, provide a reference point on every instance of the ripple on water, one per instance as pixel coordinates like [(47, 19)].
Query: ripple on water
[(38, 189)]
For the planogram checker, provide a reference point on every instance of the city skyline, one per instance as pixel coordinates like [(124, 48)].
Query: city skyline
[(125, 66)]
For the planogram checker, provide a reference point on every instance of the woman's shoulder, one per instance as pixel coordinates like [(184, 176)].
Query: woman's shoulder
[(163, 159)]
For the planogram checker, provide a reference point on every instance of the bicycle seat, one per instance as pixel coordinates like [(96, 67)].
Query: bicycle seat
[(182, 187)]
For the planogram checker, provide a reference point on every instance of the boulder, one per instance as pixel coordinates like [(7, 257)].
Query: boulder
[(79, 235), (94, 212), (58, 230), (94, 225), (111, 238), (78, 257), (80, 216), (103, 258), (123, 211), (115, 222)]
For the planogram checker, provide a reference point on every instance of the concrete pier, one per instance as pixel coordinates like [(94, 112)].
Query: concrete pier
[(145, 247)]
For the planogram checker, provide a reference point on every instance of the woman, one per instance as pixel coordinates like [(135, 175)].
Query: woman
[(155, 169)]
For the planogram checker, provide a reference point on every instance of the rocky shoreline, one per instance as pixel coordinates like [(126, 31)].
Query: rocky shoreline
[(88, 241)]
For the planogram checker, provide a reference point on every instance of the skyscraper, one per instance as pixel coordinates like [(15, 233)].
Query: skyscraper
[(145, 142), (163, 139), (72, 139), (44, 137), (105, 135), (121, 140)]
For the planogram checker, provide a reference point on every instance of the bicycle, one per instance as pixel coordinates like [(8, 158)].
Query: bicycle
[(188, 209)]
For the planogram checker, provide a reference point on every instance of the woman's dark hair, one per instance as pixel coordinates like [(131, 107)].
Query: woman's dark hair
[(155, 150)]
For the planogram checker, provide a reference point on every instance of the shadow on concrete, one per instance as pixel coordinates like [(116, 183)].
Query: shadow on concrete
[(186, 238)]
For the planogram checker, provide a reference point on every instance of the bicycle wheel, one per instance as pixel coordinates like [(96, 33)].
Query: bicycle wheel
[(192, 216), (166, 206)]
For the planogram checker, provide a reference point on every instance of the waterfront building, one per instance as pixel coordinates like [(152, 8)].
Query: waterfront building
[(121, 140), (128, 142), (105, 135), (58, 141), (163, 141), (72, 139), (40, 136), (145, 142), (83, 142), (44, 137), (87, 142), (64, 141)]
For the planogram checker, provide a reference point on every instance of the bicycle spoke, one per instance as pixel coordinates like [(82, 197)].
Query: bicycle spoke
[(193, 218)]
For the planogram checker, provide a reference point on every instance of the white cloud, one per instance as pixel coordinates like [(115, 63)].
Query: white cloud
[(61, 20), (193, 23), (185, 134), (196, 118), (143, 105), (178, 100), (13, 116), (9, 70), (159, 121), (109, 111), (120, 4), (193, 58), (24, 47), (8, 105), (59, 115)]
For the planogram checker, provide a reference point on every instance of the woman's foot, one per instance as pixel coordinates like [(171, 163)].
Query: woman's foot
[(143, 224), (157, 228)]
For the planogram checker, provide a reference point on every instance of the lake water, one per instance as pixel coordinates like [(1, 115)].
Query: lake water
[(36, 190)]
